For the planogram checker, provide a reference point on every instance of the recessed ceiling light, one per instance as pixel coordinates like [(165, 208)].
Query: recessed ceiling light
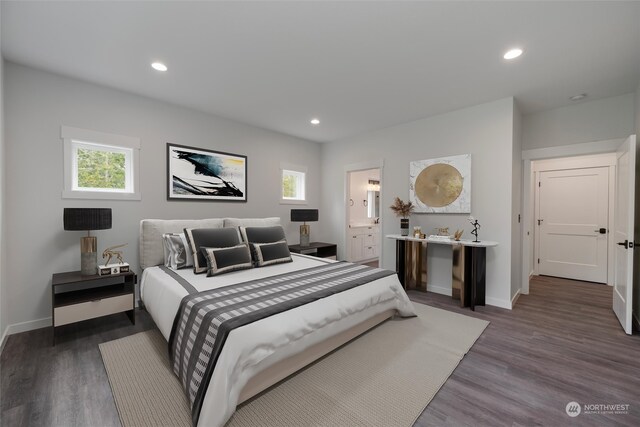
[(315, 121), (578, 97), (159, 66), (513, 53)]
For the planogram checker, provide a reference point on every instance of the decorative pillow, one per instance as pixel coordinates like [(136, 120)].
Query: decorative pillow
[(270, 253), (224, 260), (208, 238), (176, 251), (250, 222), (262, 234)]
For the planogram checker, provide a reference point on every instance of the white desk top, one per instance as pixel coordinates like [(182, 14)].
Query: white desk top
[(463, 242)]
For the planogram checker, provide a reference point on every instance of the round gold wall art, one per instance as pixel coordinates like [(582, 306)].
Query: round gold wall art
[(438, 185)]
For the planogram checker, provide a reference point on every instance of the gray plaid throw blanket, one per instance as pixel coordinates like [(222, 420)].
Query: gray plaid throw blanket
[(205, 319)]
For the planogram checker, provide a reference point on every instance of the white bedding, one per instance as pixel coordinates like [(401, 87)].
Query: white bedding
[(256, 346)]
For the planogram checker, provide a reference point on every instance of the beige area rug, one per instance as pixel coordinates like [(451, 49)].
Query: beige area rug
[(386, 377)]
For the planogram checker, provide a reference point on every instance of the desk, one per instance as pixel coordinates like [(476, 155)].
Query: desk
[(468, 271)]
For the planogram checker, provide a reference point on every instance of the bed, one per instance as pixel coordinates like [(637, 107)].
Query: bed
[(260, 354)]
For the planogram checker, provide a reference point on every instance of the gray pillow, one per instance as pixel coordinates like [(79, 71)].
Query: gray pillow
[(208, 238), (270, 253), (177, 253), (224, 260)]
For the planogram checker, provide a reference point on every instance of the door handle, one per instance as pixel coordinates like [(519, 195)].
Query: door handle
[(601, 231), (625, 244), (540, 221)]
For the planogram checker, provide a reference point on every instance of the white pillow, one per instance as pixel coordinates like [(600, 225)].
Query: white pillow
[(176, 252)]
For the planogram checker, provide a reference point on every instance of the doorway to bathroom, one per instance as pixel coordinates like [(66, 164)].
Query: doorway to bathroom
[(363, 232)]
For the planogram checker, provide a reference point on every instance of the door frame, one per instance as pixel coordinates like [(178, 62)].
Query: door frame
[(607, 160), (355, 167), (528, 156)]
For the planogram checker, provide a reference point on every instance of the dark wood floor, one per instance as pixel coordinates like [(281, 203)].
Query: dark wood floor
[(560, 343)]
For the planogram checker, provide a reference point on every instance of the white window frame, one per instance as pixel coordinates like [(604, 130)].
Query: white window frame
[(286, 167), (75, 138)]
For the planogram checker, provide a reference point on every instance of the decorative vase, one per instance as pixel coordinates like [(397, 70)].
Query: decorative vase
[(404, 226)]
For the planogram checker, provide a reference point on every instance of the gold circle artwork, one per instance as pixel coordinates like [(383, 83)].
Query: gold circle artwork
[(438, 185)]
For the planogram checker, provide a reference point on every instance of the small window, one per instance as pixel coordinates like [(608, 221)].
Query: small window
[(100, 166), (293, 184)]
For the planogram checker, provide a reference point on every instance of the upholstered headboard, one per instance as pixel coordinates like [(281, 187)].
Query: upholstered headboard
[(151, 231)]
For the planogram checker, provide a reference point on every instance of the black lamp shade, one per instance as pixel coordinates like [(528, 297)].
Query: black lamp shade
[(83, 219), (304, 215)]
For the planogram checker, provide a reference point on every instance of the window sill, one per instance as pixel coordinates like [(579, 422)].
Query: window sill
[(99, 195), (293, 202)]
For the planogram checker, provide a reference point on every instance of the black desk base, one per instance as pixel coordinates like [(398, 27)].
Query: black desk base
[(469, 270)]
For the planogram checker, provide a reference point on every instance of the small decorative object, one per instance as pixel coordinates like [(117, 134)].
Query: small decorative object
[(440, 238), (476, 226), (87, 219), (199, 174), (402, 210), (441, 185), (304, 215), (457, 235), (417, 232), (103, 270), (107, 268), (110, 253), (444, 231)]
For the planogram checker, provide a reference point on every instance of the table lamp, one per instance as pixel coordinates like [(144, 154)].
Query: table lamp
[(87, 219), (304, 215)]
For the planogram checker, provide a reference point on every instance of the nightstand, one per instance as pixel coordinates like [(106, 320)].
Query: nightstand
[(75, 297), (317, 249)]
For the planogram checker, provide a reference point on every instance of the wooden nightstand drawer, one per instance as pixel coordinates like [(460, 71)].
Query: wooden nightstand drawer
[(88, 310)]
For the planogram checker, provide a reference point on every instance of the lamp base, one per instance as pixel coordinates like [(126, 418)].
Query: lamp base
[(304, 235), (88, 256)]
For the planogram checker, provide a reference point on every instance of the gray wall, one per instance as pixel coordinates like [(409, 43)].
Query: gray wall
[(516, 204), (586, 121), (485, 131), (3, 282), (38, 103), (636, 254)]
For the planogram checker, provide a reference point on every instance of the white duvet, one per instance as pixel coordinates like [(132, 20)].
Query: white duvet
[(256, 346)]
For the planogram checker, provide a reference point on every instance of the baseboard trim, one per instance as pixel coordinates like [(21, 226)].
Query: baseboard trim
[(29, 325), (446, 290), (442, 290), (3, 340), (514, 299), (497, 302)]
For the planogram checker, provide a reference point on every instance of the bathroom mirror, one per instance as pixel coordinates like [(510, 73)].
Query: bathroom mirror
[(373, 204)]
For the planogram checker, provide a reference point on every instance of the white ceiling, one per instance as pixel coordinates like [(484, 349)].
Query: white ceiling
[(357, 66)]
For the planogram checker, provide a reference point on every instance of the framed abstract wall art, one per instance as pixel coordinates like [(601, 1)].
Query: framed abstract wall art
[(200, 174), (441, 185)]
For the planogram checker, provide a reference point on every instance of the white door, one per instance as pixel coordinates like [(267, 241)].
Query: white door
[(624, 208), (573, 217)]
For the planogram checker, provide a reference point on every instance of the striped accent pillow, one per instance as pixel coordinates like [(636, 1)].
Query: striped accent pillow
[(224, 260)]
